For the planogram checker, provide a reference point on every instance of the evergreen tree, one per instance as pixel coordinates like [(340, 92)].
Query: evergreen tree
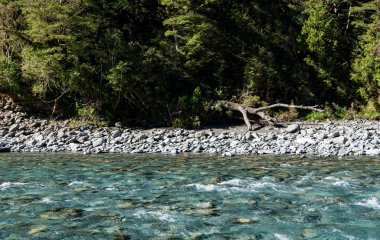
[(61, 36), (10, 47), (328, 47), (366, 70), (163, 62)]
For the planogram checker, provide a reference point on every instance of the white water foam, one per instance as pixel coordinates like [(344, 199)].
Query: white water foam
[(78, 183), (73, 183), (285, 165), (110, 188), (349, 237), (203, 187), (47, 200), (370, 203), (306, 179), (155, 214), (238, 185), (7, 185), (267, 168), (281, 236), (337, 182)]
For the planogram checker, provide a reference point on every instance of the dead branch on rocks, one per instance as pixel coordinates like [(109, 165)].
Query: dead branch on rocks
[(263, 118)]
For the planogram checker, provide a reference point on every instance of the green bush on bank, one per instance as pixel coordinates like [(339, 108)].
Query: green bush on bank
[(370, 111), (335, 112), (87, 116)]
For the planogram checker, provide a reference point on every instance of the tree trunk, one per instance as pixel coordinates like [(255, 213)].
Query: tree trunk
[(264, 119)]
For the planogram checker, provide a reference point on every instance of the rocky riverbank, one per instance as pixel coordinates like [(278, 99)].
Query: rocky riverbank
[(20, 133)]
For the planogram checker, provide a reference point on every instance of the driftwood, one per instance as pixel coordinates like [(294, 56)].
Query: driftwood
[(263, 119)]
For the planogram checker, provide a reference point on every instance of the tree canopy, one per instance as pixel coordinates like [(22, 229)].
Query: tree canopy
[(165, 62)]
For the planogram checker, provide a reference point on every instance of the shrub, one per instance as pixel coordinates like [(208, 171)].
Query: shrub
[(87, 115), (288, 116), (251, 101), (189, 110), (340, 112), (317, 116), (370, 111)]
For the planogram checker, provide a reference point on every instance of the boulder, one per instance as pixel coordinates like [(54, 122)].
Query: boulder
[(234, 143), (3, 132), (334, 134), (339, 140), (271, 136), (119, 125), (245, 220), (306, 140), (373, 152), (293, 128), (97, 142), (199, 134), (37, 229), (14, 128), (116, 133), (227, 154)]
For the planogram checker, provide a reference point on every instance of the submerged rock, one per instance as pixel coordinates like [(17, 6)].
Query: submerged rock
[(113, 229), (122, 237), (37, 229), (67, 212), (309, 233), (206, 212), (204, 205), (125, 205), (246, 220), (282, 176), (80, 189), (50, 216)]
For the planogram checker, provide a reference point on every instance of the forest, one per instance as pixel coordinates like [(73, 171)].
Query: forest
[(167, 62)]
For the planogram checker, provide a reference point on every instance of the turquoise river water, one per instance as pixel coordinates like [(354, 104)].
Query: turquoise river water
[(73, 196)]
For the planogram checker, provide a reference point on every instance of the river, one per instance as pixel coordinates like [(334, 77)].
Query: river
[(112, 196)]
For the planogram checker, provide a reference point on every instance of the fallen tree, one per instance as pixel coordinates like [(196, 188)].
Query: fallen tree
[(262, 118)]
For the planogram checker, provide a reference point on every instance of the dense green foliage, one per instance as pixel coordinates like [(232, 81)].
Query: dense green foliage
[(165, 62)]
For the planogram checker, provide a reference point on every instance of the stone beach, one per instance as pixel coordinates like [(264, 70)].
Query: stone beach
[(20, 133)]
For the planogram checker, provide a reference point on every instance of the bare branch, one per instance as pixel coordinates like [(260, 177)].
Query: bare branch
[(278, 105), (57, 98), (264, 119), (55, 101)]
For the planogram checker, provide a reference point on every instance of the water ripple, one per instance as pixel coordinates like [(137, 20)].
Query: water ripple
[(238, 185), (370, 203), (8, 185)]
